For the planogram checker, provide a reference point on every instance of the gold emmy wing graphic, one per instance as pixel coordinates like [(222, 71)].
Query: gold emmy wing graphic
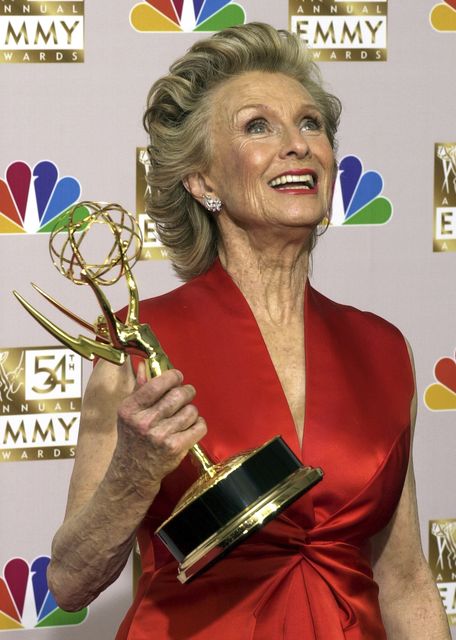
[(230, 500)]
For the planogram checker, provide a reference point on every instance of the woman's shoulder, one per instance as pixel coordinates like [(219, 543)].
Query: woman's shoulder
[(346, 313), (368, 342), (180, 297), (165, 299), (372, 332), (196, 294)]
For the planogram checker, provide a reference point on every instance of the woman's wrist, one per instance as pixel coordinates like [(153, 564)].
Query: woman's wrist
[(127, 477)]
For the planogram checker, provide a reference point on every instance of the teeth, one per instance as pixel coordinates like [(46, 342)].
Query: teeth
[(307, 178)]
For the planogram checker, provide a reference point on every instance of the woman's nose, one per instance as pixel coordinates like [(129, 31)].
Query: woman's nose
[(294, 143)]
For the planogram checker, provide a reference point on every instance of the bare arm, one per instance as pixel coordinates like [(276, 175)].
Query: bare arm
[(409, 600), (130, 438)]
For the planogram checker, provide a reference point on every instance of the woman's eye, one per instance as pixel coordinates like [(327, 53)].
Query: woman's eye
[(257, 126), (311, 124)]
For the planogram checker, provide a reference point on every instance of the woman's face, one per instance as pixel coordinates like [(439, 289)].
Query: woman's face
[(271, 162)]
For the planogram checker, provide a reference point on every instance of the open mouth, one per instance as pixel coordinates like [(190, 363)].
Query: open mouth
[(305, 181)]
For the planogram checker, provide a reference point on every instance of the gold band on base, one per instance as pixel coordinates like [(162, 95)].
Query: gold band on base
[(247, 522)]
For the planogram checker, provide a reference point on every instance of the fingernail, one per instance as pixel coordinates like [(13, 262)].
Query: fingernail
[(141, 377)]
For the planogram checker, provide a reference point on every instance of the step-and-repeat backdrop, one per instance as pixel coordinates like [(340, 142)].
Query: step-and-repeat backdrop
[(74, 76)]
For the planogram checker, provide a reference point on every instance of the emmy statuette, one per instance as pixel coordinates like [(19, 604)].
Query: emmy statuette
[(230, 500)]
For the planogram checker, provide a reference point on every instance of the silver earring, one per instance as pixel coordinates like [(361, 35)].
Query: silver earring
[(212, 204)]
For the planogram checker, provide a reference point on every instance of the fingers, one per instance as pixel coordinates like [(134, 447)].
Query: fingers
[(174, 437), (151, 390), (157, 401)]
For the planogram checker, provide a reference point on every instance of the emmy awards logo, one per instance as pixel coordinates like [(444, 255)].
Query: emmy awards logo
[(10, 380), (144, 159), (152, 248), (447, 155), (444, 196), (230, 500), (442, 560), (444, 533)]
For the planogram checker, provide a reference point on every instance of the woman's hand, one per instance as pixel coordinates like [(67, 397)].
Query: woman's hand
[(157, 425)]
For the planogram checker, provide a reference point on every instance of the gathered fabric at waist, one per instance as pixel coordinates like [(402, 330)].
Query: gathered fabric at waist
[(282, 584)]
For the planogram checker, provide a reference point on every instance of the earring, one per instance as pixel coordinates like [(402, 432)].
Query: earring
[(324, 225), (212, 204)]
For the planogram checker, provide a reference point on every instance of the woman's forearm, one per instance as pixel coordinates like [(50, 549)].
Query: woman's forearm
[(413, 610), (92, 546)]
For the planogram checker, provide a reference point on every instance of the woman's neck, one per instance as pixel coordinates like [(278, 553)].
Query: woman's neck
[(271, 279)]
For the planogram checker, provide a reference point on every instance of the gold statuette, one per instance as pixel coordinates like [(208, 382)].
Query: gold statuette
[(230, 500)]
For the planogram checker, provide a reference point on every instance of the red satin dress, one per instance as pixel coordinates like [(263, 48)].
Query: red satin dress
[(307, 574)]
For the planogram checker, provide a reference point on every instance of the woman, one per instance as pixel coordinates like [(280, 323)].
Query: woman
[(242, 173)]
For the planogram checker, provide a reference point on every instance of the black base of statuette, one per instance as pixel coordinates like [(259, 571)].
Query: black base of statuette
[(244, 494)]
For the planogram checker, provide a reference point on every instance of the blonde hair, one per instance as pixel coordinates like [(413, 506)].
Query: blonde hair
[(177, 117)]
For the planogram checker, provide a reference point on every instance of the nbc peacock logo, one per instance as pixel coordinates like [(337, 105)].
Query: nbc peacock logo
[(357, 196), (25, 599), (443, 16), (186, 15), (35, 200), (441, 394)]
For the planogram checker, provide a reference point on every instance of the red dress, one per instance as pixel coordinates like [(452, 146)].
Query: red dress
[(306, 575)]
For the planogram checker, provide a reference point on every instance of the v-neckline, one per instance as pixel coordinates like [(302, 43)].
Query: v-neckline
[(294, 443)]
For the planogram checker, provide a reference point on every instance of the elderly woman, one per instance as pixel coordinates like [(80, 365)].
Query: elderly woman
[(242, 173)]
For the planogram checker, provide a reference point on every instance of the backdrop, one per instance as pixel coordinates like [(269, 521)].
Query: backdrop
[(73, 82)]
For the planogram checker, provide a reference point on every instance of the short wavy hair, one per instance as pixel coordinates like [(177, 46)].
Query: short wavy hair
[(178, 116)]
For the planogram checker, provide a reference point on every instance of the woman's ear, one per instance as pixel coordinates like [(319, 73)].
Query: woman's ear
[(198, 186), (195, 185)]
